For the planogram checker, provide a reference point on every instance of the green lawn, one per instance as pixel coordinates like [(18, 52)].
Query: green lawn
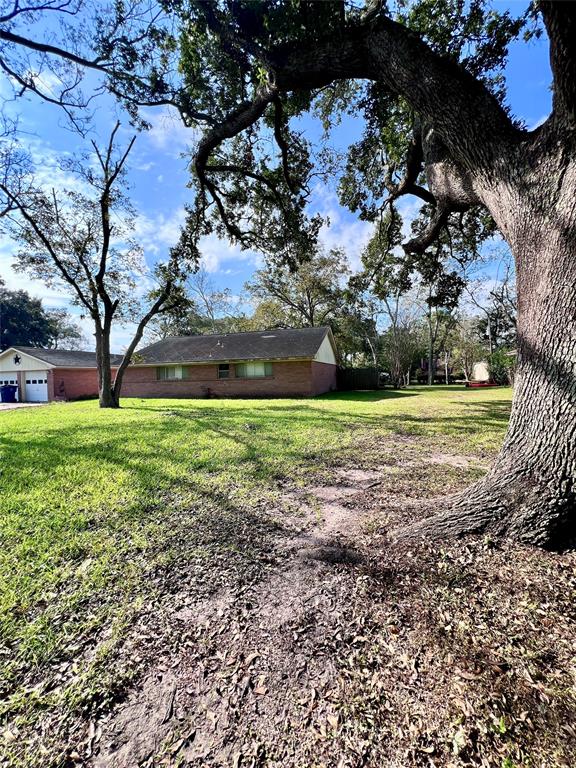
[(100, 510)]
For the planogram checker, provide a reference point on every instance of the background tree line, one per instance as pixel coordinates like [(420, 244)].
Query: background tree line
[(25, 322), (412, 327)]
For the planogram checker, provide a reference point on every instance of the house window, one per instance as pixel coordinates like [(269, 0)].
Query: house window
[(224, 371), (171, 373), (253, 370)]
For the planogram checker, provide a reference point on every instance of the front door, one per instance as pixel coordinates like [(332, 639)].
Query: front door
[(36, 386)]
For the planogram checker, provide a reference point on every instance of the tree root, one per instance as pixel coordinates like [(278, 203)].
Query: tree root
[(515, 508)]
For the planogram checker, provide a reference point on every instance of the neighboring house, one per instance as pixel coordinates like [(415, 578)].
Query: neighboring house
[(43, 375), (255, 364), (263, 364)]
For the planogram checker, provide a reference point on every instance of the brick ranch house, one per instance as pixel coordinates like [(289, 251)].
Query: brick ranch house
[(275, 363), (44, 375), (295, 362)]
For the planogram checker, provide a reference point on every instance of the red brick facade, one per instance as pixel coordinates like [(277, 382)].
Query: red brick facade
[(323, 377), (289, 378), (73, 383)]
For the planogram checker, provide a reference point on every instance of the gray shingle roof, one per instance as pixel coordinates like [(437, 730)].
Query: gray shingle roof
[(254, 345), (64, 358)]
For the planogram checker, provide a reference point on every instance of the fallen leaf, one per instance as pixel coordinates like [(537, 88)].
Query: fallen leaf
[(177, 746), (333, 721)]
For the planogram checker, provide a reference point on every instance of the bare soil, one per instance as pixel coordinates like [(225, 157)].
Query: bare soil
[(344, 650)]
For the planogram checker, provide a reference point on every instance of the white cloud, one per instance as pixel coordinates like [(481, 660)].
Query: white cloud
[(156, 234), (343, 231), (408, 207), (18, 281), (216, 253), (46, 82), (167, 132)]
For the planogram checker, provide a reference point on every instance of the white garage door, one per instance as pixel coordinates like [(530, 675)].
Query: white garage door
[(37, 387)]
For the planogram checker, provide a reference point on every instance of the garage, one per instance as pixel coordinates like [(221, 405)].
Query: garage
[(44, 375), (36, 387)]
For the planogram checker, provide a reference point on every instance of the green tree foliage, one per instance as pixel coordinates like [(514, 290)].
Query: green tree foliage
[(311, 294), (502, 366), (253, 168), (65, 332), (24, 322), (466, 348), (267, 314)]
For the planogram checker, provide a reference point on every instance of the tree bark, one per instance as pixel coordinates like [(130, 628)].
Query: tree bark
[(106, 396), (530, 493), (475, 155)]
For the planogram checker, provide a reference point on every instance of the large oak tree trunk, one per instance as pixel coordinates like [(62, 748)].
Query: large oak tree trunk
[(530, 492)]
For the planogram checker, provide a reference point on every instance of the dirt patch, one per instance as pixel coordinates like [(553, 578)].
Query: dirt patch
[(350, 652), (451, 460), (363, 478), (242, 667)]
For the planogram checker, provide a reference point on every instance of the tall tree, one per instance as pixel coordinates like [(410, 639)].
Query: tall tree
[(498, 304), (23, 321), (65, 333), (310, 293), (500, 312), (429, 81), (380, 290), (217, 306), (467, 349), (82, 241), (208, 309)]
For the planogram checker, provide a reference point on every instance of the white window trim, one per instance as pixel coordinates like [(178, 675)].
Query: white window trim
[(264, 375), (177, 369)]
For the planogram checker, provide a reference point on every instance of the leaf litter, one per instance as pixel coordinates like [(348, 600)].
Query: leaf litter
[(330, 647)]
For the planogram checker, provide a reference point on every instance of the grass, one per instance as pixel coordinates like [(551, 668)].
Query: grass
[(101, 511)]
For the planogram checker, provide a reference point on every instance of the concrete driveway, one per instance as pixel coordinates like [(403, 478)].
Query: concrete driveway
[(12, 406)]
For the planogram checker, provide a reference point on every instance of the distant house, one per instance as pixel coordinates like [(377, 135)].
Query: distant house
[(272, 363), (480, 371), (260, 364), (43, 375)]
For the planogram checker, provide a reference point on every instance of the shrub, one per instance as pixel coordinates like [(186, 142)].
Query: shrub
[(502, 366)]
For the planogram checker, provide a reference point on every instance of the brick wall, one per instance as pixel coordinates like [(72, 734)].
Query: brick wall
[(71, 383), (323, 378), (288, 379)]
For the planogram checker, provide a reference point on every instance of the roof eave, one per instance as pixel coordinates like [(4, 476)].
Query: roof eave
[(22, 352), (214, 361)]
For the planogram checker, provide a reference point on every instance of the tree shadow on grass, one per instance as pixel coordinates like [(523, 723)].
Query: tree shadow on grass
[(265, 434), (366, 396)]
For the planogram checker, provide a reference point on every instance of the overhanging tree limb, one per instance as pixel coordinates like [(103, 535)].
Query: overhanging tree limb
[(560, 21)]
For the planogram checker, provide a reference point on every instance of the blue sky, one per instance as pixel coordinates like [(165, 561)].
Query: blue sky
[(158, 177)]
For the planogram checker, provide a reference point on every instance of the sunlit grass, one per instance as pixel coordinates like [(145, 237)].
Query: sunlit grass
[(92, 501)]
